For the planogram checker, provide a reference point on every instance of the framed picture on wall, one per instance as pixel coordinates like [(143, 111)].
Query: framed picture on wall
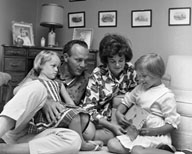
[(141, 18), (180, 16), (107, 18), (22, 31), (76, 0), (76, 19), (84, 34)]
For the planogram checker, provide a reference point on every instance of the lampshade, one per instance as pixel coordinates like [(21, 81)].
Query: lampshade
[(52, 15)]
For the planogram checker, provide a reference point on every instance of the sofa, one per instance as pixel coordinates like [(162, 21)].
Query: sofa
[(179, 70)]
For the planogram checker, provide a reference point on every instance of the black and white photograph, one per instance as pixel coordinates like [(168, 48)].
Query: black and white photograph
[(23, 32)]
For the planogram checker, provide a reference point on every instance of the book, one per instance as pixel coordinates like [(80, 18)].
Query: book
[(136, 116)]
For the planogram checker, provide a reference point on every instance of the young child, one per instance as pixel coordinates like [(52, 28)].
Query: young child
[(151, 95), (46, 66)]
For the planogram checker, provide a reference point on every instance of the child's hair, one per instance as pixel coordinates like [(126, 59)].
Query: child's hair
[(153, 63), (41, 58)]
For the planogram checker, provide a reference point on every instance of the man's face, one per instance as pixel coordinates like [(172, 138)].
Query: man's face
[(78, 60)]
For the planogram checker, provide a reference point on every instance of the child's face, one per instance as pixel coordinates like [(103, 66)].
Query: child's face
[(147, 79), (50, 68)]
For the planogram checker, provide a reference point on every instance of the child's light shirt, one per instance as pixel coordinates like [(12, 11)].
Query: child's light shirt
[(159, 101)]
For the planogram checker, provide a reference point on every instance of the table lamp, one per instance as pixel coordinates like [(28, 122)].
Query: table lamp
[(52, 16)]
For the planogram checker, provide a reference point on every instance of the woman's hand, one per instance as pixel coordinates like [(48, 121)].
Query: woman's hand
[(52, 110), (118, 130)]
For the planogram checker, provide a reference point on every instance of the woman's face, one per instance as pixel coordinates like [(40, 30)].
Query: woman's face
[(116, 64)]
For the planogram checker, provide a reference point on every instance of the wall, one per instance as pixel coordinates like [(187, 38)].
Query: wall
[(17, 10), (160, 38)]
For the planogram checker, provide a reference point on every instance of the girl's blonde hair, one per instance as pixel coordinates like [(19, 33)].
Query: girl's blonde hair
[(41, 58), (153, 63)]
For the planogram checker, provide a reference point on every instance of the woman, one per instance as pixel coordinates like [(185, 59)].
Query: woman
[(113, 78)]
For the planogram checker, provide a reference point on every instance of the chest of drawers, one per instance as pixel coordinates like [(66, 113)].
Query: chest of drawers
[(18, 61)]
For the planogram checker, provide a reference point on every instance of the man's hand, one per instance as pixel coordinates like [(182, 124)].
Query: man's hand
[(52, 110)]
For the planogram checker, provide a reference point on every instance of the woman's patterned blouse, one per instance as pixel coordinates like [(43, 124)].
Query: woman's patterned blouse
[(103, 86)]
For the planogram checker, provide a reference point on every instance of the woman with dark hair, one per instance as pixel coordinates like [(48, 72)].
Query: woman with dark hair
[(106, 86)]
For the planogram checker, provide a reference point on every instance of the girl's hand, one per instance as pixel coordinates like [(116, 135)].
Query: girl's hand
[(147, 132), (122, 120), (167, 128)]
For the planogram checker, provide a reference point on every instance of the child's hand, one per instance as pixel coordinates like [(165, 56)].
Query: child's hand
[(123, 121), (147, 132)]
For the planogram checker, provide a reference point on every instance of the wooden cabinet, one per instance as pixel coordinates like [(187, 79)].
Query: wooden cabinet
[(18, 61)]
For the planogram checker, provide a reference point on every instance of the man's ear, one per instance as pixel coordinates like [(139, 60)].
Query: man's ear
[(66, 56)]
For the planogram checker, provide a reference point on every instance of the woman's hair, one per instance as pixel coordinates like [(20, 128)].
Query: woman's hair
[(153, 63), (114, 44), (41, 58), (69, 45)]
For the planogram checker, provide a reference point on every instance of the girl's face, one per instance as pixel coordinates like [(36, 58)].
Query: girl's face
[(116, 64), (50, 68), (147, 79)]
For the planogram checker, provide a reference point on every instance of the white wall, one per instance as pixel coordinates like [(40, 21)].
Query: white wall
[(161, 38)]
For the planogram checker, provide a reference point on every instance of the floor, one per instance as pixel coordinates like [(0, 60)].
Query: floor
[(103, 151)]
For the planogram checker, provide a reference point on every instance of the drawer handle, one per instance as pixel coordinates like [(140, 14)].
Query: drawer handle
[(14, 65)]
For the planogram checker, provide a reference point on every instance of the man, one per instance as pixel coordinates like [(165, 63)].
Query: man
[(75, 79)]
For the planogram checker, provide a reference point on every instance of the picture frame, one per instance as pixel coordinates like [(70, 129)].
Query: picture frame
[(141, 18), (179, 16), (24, 31), (84, 34), (76, 19), (76, 0), (107, 18)]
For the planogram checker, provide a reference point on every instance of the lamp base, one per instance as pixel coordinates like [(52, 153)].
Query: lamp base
[(51, 38)]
